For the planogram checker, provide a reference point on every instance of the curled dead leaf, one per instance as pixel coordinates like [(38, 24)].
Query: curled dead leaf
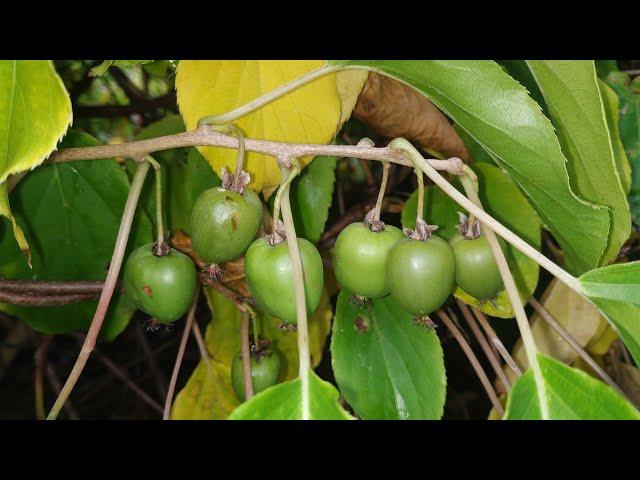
[(394, 109)]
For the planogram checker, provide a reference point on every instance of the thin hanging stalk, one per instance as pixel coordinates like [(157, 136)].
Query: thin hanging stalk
[(107, 291), (473, 360), (246, 355), (191, 315)]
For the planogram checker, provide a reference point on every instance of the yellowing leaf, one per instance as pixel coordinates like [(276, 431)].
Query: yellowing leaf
[(5, 211), (35, 112), (208, 393), (577, 315), (350, 84), (308, 114)]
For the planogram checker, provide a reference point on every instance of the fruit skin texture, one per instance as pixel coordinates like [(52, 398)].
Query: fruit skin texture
[(265, 372), (360, 259), (270, 277), (421, 274), (223, 223), (476, 269), (162, 287)]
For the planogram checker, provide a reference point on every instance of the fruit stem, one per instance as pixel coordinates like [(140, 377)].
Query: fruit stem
[(160, 249), (235, 186), (246, 356), (301, 304), (256, 331), (420, 208), (191, 315), (267, 97), (383, 187), (107, 291), (290, 175)]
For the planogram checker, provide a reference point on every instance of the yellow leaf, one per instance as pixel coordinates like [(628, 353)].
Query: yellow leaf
[(309, 114), (602, 340), (209, 394), (350, 84), (577, 315), (5, 211)]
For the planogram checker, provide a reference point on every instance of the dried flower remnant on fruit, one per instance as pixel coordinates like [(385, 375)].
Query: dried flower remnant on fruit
[(468, 228), (422, 232), (373, 224), (278, 235), (235, 183)]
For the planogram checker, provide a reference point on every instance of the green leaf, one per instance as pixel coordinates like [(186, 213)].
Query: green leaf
[(35, 112), (572, 94), (520, 71), (571, 395), (283, 402), (625, 318), (185, 173), (504, 201), (620, 282), (439, 208), (499, 114), (604, 67), (629, 128), (387, 367), (611, 108), (70, 213), (311, 195), (478, 153)]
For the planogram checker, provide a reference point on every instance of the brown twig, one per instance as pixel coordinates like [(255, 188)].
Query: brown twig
[(158, 376), (191, 315), (496, 342), (107, 291), (47, 287), (573, 343), (246, 356), (13, 298), (473, 360), (489, 353)]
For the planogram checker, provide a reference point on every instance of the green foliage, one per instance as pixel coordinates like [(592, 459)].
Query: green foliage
[(488, 103), (571, 395), (387, 366), (283, 402), (70, 213)]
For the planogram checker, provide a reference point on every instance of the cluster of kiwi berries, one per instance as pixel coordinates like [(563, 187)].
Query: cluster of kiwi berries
[(161, 281), (420, 270), (371, 260)]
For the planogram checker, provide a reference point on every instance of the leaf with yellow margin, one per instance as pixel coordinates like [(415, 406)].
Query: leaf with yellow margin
[(5, 211), (208, 394), (309, 114), (35, 112)]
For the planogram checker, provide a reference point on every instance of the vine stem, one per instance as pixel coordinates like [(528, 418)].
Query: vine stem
[(495, 341), (268, 97), (301, 303), (159, 222), (486, 348), (470, 186), (107, 291), (473, 360), (277, 202), (246, 355), (191, 315)]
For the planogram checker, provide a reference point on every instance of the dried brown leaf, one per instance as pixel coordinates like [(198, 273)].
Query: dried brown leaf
[(394, 109)]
